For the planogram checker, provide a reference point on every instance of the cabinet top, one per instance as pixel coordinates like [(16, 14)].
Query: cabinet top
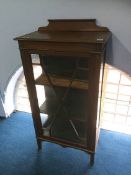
[(69, 30)]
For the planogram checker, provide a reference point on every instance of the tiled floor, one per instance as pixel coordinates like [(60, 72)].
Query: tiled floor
[(116, 99)]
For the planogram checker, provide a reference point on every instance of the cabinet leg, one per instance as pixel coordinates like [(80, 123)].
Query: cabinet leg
[(92, 157), (39, 143)]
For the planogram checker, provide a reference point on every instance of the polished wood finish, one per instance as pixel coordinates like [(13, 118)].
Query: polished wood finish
[(66, 48), (63, 82)]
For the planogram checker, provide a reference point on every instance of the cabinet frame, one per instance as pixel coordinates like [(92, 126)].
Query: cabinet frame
[(94, 50)]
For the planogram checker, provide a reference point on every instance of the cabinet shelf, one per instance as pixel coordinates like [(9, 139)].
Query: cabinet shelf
[(48, 107), (62, 82), (77, 114)]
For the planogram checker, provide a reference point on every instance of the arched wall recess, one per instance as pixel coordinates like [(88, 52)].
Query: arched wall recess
[(9, 105)]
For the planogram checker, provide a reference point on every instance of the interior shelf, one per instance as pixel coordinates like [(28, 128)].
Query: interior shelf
[(48, 107), (62, 82), (72, 111)]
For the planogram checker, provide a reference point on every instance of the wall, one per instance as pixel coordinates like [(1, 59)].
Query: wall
[(18, 17)]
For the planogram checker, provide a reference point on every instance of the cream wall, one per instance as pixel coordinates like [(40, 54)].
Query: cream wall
[(22, 16)]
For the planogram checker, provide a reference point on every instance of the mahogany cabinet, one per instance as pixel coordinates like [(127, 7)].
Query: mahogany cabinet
[(72, 55)]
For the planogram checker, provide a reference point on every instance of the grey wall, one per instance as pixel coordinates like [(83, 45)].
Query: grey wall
[(22, 16)]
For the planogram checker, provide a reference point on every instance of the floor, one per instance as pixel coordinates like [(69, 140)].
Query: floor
[(19, 154)]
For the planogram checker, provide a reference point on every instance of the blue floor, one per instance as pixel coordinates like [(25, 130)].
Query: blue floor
[(19, 155)]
